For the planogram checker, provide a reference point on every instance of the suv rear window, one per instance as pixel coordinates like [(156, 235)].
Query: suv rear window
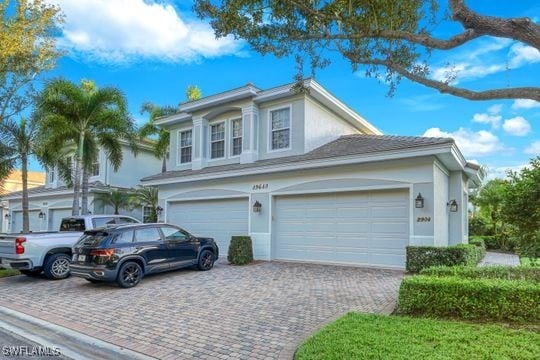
[(72, 225), (93, 239)]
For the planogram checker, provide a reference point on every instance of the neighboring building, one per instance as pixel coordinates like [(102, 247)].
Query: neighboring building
[(309, 179), (54, 200), (13, 184)]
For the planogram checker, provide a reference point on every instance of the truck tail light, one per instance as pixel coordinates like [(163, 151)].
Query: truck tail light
[(19, 247)]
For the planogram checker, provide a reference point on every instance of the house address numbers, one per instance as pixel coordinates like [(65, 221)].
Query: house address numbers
[(423, 219), (260, 187)]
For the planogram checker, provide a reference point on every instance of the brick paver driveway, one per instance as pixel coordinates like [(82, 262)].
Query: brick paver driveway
[(250, 312)]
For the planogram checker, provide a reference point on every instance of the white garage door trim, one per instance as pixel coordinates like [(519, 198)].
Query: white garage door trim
[(325, 204), (223, 242)]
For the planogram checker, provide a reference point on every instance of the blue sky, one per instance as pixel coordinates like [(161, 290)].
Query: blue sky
[(153, 50)]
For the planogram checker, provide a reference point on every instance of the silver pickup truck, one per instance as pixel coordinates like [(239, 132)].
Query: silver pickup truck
[(50, 252)]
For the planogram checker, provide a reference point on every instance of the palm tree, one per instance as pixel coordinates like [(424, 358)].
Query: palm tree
[(117, 199), (147, 196), (87, 118), (19, 144), (161, 146), (7, 164)]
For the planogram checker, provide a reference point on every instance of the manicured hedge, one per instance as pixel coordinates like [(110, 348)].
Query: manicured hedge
[(527, 273), (472, 299), (240, 250), (480, 247), (421, 257)]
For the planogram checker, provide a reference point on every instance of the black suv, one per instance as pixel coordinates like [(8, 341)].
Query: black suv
[(125, 253)]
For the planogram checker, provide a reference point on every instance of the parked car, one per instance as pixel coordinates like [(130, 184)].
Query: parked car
[(126, 253), (50, 252)]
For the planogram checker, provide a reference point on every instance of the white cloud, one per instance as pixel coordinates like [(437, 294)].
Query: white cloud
[(121, 31), (525, 104), (495, 109), (483, 118), (501, 171), (462, 71), (533, 148), (517, 126), (523, 54), (471, 143)]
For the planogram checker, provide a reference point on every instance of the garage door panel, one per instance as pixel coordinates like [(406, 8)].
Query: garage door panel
[(219, 219), (355, 228), (56, 216), (33, 219)]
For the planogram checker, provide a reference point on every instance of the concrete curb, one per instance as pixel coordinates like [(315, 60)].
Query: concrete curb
[(71, 343), (290, 348)]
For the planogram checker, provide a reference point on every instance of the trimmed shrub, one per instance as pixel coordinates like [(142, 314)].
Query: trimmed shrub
[(421, 257), (526, 273), (240, 250), (471, 299), (498, 242), (480, 247)]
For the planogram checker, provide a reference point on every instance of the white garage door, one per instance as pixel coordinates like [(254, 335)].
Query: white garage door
[(219, 219), (56, 216), (370, 228), (33, 218)]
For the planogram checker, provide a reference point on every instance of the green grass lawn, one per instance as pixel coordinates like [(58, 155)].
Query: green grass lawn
[(366, 336), (8, 272)]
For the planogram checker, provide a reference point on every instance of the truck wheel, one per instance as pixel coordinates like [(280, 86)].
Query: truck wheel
[(56, 266), (31, 273)]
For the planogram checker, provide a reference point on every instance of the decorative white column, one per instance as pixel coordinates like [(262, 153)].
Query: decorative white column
[(250, 134), (200, 131)]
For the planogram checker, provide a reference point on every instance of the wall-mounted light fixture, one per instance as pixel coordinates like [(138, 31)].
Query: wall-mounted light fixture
[(453, 205), (7, 216), (159, 210), (42, 215), (257, 207), (419, 201)]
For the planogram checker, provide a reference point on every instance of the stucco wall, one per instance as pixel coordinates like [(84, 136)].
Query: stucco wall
[(322, 125), (440, 184), (457, 220), (133, 168)]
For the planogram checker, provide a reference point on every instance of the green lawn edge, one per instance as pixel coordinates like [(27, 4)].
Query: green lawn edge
[(8, 272), (369, 336)]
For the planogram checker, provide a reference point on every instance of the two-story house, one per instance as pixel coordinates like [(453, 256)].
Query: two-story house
[(50, 203), (309, 179)]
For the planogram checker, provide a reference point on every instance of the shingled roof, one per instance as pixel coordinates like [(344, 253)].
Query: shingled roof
[(347, 145), (42, 190)]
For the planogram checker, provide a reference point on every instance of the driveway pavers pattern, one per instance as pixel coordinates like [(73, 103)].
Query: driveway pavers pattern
[(230, 312)]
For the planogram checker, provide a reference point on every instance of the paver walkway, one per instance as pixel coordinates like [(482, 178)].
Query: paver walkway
[(230, 312), (495, 258)]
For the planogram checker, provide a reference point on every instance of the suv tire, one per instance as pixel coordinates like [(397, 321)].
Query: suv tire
[(56, 266), (206, 260), (129, 275)]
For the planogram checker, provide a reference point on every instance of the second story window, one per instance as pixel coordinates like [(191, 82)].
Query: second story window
[(236, 134), (217, 141), (185, 146), (280, 123), (95, 169), (52, 175)]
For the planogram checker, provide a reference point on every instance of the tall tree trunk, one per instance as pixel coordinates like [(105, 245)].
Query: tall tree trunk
[(84, 196), (77, 176), (164, 164), (26, 221)]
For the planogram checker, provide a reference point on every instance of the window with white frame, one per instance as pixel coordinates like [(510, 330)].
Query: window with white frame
[(186, 142), (52, 175), (95, 168), (280, 123), (217, 141), (236, 135)]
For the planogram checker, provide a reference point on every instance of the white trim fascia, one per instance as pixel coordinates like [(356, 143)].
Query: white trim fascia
[(340, 190), (197, 198), (231, 95), (173, 119), (441, 167), (312, 164)]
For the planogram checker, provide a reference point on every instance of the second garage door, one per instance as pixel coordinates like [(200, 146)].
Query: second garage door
[(368, 228), (56, 216), (219, 219)]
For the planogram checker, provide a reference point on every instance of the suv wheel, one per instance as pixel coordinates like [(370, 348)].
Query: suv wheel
[(57, 266), (130, 274), (206, 260), (31, 273)]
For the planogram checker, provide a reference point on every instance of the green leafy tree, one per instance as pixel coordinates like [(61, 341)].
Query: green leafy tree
[(521, 207), (147, 196), (117, 199), (388, 39), (490, 199), (150, 129), (19, 140), (88, 118)]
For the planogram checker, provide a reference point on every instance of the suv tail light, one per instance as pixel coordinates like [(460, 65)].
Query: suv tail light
[(102, 252), (19, 247)]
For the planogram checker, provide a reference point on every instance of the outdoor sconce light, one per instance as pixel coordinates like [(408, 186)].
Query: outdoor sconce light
[(419, 201), (41, 215), (257, 207), (7, 216), (453, 205), (159, 210)]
